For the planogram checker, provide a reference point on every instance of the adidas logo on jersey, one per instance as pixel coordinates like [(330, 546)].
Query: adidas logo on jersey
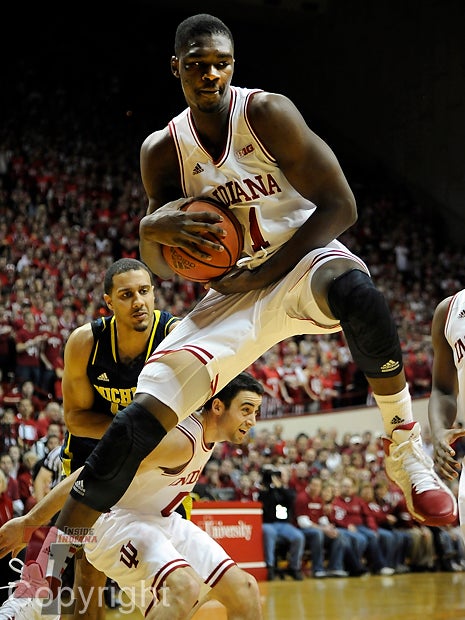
[(461, 314), (78, 486), (197, 169), (103, 377), (388, 366)]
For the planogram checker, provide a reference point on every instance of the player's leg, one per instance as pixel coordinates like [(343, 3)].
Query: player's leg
[(89, 587), (238, 592), (344, 290), (177, 597)]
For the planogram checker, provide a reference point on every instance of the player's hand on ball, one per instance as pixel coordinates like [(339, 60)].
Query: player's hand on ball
[(172, 226)]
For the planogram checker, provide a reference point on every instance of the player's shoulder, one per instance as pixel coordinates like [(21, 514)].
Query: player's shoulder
[(443, 306), (157, 140), (158, 152), (265, 102), (80, 338)]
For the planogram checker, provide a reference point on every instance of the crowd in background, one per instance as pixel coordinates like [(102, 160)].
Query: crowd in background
[(70, 207)]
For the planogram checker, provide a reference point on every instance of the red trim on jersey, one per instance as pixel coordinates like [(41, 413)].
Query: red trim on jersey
[(219, 571), (174, 135), (449, 314), (201, 354), (263, 148)]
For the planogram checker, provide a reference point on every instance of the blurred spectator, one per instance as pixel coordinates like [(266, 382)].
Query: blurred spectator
[(279, 444), (12, 489), (278, 518), (7, 347), (6, 513), (300, 477), (246, 491), (15, 453), (48, 474), (322, 538), (228, 478), (350, 513), (28, 429), (8, 430), (29, 343), (422, 551), (52, 413), (394, 543), (295, 381), (25, 480), (52, 358), (276, 396), (51, 440)]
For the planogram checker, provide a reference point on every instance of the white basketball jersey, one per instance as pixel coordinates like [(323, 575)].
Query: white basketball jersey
[(245, 178), (454, 332), (159, 491)]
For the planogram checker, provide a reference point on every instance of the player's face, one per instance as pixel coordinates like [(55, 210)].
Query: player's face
[(241, 416), (132, 299), (205, 67)]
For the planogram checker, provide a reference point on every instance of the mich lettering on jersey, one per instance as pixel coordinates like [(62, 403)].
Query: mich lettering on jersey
[(119, 397), (247, 190)]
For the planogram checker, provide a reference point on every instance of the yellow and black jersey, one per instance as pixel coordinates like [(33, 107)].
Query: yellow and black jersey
[(114, 382)]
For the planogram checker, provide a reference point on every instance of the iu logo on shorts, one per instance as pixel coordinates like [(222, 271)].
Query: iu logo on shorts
[(129, 555)]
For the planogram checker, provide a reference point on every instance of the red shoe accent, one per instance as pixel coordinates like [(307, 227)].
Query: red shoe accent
[(428, 498)]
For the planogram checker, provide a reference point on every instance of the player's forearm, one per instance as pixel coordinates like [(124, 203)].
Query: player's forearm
[(43, 511), (87, 423), (442, 411)]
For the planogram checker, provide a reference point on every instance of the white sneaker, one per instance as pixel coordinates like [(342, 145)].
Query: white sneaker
[(428, 499), (338, 573), (31, 593), (387, 571), (21, 609)]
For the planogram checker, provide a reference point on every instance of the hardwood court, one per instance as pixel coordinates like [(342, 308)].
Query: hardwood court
[(415, 596)]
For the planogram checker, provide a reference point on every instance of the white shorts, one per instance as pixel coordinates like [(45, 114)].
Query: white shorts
[(225, 334), (139, 551)]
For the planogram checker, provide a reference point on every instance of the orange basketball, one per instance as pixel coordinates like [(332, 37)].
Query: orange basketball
[(198, 270)]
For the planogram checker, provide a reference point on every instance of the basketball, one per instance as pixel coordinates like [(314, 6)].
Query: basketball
[(198, 270)]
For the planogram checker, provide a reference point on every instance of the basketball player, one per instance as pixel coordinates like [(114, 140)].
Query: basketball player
[(157, 557), (252, 151), (103, 359), (448, 383)]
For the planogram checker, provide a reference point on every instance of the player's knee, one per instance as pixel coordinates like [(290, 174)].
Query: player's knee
[(351, 294), (180, 592), (110, 468), (367, 323), (238, 592)]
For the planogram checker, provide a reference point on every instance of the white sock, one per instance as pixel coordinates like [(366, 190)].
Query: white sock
[(396, 409)]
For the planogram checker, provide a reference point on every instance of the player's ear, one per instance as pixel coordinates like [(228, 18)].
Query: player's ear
[(107, 300), (217, 406), (175, 66)]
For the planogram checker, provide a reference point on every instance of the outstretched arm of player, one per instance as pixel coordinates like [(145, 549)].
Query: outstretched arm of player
[(442, 405), (16, 533), (78, 394)]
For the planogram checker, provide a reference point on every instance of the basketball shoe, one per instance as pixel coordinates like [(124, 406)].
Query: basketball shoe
[(30, 593), (428, 499)]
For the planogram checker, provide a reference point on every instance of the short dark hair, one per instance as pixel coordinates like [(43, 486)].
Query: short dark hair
[(243, 381), (196, 25), (122, 266)]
